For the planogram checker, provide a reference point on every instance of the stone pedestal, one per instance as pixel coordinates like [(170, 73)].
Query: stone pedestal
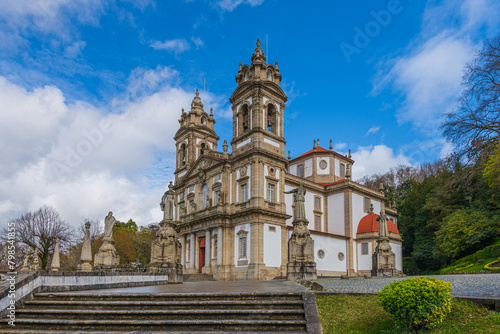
[(86, 256), (107, 254), (301, 263), (166, 252), (383, 260), (85, 266)]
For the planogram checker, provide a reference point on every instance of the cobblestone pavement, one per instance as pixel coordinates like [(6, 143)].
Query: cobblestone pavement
[(480, 285)]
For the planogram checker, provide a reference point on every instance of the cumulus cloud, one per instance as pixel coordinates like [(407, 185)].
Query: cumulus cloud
[(376, 160), (230, 5), (87, 160), (176, 46)]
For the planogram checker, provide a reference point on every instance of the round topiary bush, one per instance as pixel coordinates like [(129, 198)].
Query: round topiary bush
[(417, 303)]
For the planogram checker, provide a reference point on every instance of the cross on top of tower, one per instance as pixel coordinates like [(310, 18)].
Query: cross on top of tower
[(258, 56)]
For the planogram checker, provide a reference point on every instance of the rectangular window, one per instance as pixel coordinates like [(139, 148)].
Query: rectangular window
[(367, 204), (342, 170), (317, 203), (317, 223), (244, 195), (270, 192), (364, 248), (243, 247), (300, 170)]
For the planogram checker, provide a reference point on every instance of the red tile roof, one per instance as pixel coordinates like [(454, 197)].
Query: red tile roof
[(318, 149), (329, 184), (369, 223)]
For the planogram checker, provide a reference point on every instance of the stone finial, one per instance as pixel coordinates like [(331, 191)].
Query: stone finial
[(381, 186), (225, 146), (239, 69), (211, 112), (276, 65), (86, 256), (258, 56), (318, 142), (348, 172), (289, 156), (55, 265), (314, 145), (349, 155), (197, 93), (331, 145), (371, 208), (183, 112), (196, 105)]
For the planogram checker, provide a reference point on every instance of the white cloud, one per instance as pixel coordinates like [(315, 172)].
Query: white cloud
[(377, 159), (373, 129), (428, 73), (86, 161), (230, 5), (197, 41), (173, 45)]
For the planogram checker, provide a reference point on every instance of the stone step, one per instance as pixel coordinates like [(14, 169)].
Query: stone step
[(197, 277), (29, 331), (169, 296), (166, 305), (243, 314), (161, 325)]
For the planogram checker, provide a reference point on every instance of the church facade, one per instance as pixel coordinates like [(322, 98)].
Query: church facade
[(234, 215)]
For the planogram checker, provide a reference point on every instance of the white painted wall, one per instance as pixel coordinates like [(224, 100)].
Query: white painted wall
[(336, 214), (396, 248), (323, 171), (243, 143), (309, 206), (293, 170), (245, 227), (376, 207), (336, 165), (272, 246), (308, 168), (271, 142), (365, 261), (331, 246), (357, 212)]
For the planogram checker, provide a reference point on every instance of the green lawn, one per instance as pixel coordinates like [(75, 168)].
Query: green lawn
[(363, 314)]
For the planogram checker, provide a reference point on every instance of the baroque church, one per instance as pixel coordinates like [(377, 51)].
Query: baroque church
[(233, 211)]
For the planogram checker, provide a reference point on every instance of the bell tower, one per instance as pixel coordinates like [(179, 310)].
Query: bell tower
[(195, 137), (258, 104)]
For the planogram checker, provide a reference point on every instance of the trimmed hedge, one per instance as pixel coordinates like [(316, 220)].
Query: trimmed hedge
[(417, 303)]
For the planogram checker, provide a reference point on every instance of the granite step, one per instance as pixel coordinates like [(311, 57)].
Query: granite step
[(243, 314), (197, 277), (165, 325)]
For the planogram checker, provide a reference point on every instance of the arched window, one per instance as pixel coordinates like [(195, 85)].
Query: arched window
[(247, 76), (245, 118), (271, 118), (203, 120), (269, 75), (204, 196), (182, 155), (202, 148)]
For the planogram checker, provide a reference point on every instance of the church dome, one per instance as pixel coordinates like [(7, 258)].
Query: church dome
[(369, 223)]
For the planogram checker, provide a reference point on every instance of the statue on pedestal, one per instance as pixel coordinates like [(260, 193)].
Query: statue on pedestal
[(384, 259), (166, 248), (86, 256), (301, 263), (107, 254)]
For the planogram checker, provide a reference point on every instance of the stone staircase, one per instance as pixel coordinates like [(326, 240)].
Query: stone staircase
[(161, 313), (197, 277)]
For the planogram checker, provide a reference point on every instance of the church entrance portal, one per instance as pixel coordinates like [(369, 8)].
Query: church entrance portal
[(202, 254)]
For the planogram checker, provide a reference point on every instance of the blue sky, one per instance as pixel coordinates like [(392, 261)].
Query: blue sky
[(90, 91)]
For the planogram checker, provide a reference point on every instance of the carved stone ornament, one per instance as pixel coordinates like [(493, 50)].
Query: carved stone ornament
[(201, 174), (243, 171)]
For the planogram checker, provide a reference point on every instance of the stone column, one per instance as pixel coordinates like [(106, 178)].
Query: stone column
[(219, 246), (183, 251), (192, 255), (208, 248)]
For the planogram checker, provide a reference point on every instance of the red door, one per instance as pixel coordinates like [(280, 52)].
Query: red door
[(202, 254)]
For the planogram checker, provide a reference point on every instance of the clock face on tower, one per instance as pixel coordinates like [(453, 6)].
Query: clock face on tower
[(322, 164)]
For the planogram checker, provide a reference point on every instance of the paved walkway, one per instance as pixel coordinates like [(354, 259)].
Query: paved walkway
[(210, 287), (480, 285)]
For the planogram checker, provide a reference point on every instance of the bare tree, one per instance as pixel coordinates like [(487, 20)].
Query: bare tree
[(475, 125), (39, 230)]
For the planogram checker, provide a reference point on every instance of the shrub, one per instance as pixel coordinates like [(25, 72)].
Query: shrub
[(417, 303)]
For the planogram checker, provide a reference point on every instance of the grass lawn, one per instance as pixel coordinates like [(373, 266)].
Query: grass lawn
[(363, 314), (475, 268)]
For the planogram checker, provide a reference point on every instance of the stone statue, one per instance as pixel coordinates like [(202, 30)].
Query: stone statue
[(167, 203), (299, 200), (109, 222), (26, 263), (107, 255), (193, 206), (301, 263), (382, 225), (36, 260), (183, 210)]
